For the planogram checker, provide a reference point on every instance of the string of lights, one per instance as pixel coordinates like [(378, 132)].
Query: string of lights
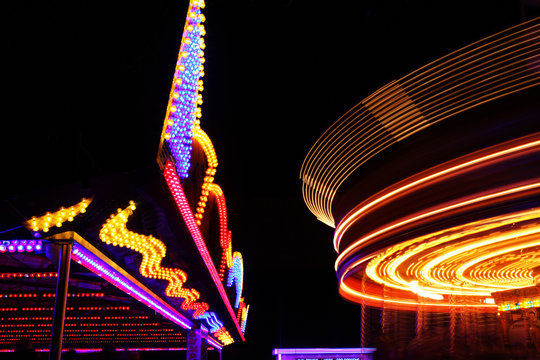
[(57, 218)]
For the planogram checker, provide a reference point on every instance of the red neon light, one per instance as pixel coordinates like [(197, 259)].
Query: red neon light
[(173, 181)]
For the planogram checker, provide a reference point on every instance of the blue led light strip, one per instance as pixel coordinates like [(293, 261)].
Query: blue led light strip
[(21, 246), (236, 277), (183, 110)]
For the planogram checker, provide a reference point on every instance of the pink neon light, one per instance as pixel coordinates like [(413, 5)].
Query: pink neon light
[(336, 351), (173, 181)]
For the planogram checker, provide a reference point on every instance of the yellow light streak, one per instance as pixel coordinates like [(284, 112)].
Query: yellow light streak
[(442, 259), (427, 214), (409, 185)]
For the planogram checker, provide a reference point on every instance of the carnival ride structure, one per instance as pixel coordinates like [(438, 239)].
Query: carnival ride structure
[(432, 183), (153, 254)]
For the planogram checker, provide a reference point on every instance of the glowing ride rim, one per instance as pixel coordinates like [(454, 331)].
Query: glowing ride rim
[(378, 265), (382, 240), (476, 289), (383, 271), (497, 153), (345, 223)]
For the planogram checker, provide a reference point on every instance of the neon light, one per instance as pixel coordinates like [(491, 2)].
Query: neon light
[(184, 99), (337, 351), (244, 317), (115, 232), (153, 349), (87, 350), (57, 218), (236, 276), (211, 319), (173, 182)]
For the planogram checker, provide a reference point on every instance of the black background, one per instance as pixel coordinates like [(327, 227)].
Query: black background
[(86, 85)]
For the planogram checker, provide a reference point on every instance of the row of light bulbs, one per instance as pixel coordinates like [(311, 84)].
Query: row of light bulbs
[(57, 218)]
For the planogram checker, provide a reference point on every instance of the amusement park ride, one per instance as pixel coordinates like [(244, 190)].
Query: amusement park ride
[(153, 261), (432, 184)]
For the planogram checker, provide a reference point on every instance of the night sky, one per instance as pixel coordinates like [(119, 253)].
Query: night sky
[(86, 85)]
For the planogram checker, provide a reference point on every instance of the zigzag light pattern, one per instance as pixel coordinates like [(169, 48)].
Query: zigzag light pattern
[(115, 232), (236, 276)]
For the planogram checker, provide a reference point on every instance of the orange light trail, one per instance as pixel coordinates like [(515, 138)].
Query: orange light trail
[(470, 261), (492, 68), (444, 262), (432, 176)]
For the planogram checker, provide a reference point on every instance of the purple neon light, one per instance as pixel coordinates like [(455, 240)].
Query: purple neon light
[(182, 110), (311, 351), (211, 320), (152, 349), (93, 263), (90, 350), (21, 246), (105, 271), (77, 350)]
